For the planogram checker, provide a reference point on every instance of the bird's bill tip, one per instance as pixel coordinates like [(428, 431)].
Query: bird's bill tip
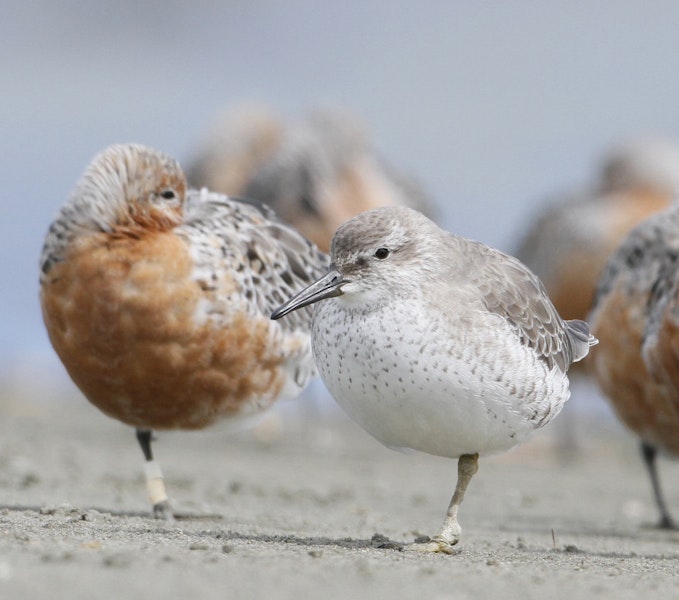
[(328, 286)]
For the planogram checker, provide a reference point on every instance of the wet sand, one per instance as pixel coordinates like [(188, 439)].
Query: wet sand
[(309, 506)]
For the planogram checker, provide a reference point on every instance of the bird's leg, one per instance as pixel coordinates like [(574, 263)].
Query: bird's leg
[(154, 478), (449, 535), (649, 454)]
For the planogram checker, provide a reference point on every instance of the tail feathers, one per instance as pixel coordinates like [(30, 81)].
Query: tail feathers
[(581, 338)]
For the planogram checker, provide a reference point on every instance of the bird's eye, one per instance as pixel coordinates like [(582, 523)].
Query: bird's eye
[(167, 194), (382, 253)]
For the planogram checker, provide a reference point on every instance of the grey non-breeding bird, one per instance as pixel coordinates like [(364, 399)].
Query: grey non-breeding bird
[(436, 343)]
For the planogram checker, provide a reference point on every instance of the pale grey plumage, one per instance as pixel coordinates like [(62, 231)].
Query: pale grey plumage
[(511, 290), (501, 282), (436, 343)]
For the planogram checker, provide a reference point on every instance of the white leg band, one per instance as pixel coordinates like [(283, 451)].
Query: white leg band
[(154, 482)]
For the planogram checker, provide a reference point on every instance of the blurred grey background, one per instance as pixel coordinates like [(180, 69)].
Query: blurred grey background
[(494, 106)]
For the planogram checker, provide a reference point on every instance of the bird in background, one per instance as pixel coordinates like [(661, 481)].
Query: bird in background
[(315, 172), (636, 317), (436, 343), (157, 300), (239, 141), (568, 245)]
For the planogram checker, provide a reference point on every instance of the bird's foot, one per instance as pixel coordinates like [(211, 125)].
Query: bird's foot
[(436, 544), (163, 511), (666, 522)]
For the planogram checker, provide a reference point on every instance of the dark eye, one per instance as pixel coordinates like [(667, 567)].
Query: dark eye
[(167, 194), (381, 253)]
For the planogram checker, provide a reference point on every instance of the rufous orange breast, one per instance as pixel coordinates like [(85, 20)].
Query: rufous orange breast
[(634, 317), (157, 299)]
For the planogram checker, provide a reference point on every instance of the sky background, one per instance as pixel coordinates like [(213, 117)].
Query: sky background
[(494, 106)]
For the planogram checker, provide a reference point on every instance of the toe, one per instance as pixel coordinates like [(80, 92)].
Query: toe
[(163, 510), (437, 544)]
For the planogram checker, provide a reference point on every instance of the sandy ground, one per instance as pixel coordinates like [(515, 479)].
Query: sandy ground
[(301, 507)]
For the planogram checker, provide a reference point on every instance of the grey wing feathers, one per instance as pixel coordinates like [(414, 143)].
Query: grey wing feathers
[(580, 337), (640, 258), (513, 291), (646, 262), (638, 250)]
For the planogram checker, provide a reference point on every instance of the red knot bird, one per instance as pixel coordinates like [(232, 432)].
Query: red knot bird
[(569, 244), (636, 317), (436, 343), (239, 142), (157, 299), (315, 172)]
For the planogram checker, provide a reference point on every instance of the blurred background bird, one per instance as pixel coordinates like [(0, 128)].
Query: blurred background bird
[(636, 318), (569, 243), (315, 172), (239, 141)]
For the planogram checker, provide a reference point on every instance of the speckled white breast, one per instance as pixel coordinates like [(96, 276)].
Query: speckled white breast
[(443, 384)]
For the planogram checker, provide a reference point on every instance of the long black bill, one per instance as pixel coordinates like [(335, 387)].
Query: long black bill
[(328, 286)]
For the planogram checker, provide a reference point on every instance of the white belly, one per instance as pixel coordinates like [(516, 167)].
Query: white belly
[(447, 386)]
